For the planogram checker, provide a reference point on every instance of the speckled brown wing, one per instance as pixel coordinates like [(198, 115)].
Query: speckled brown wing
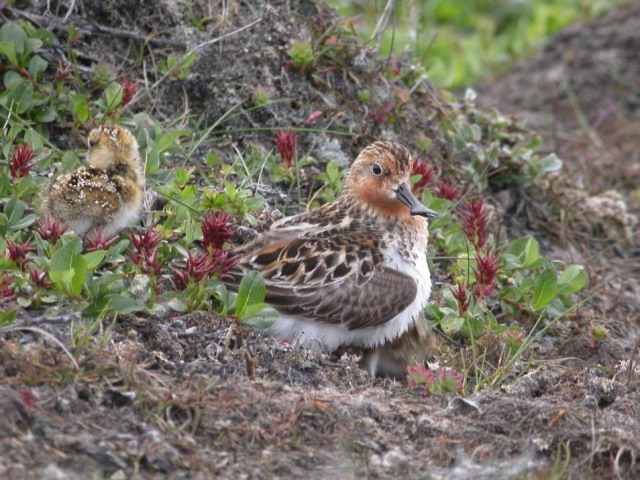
[(87, 192), (329, 280)]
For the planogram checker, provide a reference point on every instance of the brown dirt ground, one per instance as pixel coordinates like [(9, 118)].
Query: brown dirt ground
[(197, 396)]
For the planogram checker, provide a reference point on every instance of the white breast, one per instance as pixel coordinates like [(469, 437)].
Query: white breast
[(127, 214)]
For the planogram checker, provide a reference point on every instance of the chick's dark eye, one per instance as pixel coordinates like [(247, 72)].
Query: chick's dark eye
[(92, 143), (376, 169)]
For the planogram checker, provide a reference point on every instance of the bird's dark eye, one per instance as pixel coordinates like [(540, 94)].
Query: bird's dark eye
[(376, 169), (92, 143)]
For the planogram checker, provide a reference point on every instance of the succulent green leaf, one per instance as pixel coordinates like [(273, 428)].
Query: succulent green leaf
[(548, 164), (524, 252), (63, 258), (113, 95), (8, 49), (13, 33), (79, 274), (251, 291), (572, 280), (24, 222), (37, 66), (545, 289), (451, 323), (14, 210), (63, 279), (260, 316), (94, 259), (123, 304)]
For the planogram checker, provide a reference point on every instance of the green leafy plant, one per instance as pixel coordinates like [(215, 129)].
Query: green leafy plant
[(25, 92), (103, 75), (462, 42), (13, 218), (496, 289), (442, 381), (175, 67), (103, 277), (68, 270), (241, 202), (489, 281), (260, 96), (598, 333), (331, 183), (249, 306), (529, 285), (301, 55)]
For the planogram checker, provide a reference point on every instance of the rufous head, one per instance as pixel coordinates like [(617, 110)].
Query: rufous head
[(380, 178)]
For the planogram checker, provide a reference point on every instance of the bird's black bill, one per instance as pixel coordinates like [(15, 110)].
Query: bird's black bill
[(403, 193)]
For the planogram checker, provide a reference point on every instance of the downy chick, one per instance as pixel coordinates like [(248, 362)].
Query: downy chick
[(108, 192)]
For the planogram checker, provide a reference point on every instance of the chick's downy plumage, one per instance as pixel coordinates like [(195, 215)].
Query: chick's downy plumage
[(108, 192), (353, 272)]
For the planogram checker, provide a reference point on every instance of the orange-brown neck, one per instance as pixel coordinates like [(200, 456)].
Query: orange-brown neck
[(380, 201)]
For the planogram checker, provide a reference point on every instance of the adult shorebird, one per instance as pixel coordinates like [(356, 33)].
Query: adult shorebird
[(353, 272)]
